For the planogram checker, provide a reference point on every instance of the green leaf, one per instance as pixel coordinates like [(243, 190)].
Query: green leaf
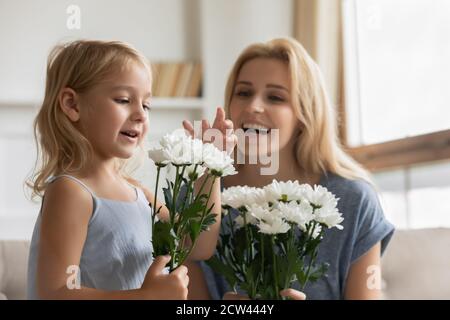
[(194, 229), (164, 239), (218, 266), (193, 211), (210, 219)]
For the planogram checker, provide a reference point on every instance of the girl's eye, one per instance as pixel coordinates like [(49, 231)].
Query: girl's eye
[(122, 100), (146, 107)]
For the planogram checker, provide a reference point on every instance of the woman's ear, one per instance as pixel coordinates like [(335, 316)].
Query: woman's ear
[(69, 103)]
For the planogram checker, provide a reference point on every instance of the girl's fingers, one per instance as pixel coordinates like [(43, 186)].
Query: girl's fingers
[(188, 126)]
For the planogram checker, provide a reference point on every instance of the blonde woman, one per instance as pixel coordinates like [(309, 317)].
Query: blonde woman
[(92, 238), (277, 85)]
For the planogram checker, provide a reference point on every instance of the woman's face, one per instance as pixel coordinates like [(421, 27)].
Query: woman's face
[(261, 105)]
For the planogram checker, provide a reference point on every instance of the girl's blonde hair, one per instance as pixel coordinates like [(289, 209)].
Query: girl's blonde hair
[(318, 149), (79, 65)]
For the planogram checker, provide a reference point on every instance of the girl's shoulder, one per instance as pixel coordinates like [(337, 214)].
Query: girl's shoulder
[(66, 196), (148, 194)]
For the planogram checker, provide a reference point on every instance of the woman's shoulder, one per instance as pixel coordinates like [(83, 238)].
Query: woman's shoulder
[(350, 190)]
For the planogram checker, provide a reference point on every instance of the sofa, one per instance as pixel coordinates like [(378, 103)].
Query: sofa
[(416, 265)]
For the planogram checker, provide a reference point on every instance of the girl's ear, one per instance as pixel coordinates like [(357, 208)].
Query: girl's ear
[(69, 103)]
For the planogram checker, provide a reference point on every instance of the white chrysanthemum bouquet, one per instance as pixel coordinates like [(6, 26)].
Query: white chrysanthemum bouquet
[(273, 240), (189, 214)]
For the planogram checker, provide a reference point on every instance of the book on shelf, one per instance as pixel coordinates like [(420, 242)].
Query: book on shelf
[(177, 79)]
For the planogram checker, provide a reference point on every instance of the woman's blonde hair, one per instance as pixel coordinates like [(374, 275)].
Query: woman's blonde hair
[(318, 149), (79, 65)]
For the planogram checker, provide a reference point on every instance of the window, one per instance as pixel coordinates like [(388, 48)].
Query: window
[(397, 68)]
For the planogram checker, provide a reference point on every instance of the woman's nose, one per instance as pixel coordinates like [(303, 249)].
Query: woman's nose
[(256, 104)]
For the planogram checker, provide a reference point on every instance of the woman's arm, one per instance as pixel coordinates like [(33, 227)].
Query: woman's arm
[(364, 277)]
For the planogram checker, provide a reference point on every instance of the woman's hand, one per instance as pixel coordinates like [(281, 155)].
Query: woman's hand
[(221, 134), (293, 294), (289, 293)]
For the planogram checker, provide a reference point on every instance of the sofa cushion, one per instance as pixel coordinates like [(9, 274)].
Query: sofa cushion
[(416, 265), (13, 268)]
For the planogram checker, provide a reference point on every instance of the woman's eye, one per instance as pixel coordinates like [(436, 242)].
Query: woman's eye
[(146, 107), (276, 98), (243, 93)]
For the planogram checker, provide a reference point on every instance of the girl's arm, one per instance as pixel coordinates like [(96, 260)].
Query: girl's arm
[(364, 277), (65, 217)]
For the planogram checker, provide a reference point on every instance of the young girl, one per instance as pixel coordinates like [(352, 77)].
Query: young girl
[(92, 238), (276, 85)]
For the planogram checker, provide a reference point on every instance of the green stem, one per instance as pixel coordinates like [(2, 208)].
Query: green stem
[(262, 275), (308, 270), (158, 170), (202, 186), (194, 241), (275, 271)]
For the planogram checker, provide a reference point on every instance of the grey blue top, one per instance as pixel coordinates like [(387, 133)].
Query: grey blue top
[(364, 226), (117, 252)]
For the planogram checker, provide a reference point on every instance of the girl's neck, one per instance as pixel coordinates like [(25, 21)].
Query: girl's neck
[(99, 169)]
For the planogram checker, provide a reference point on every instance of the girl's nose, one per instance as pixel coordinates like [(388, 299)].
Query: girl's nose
[(139, 113)]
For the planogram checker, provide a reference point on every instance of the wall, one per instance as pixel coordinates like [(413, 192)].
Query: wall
[(213, 31)]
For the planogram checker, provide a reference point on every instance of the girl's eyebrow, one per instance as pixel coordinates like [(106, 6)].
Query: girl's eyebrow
[(122, 87), (130, 88)]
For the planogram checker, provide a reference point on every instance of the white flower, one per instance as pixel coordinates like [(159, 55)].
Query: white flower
[(325, 204), (270, 220), (189, 171), (241, 196), (300, 214), (320, 197), (285, 191), (196, 151), (235, 197), (218, 162), (275, 225), (261, 212), (316, 231), (174, 148), (329, 218), (248, 218), (159, 156)]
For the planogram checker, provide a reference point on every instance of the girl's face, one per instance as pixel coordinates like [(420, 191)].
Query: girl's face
[(261, 99), (114, 114)]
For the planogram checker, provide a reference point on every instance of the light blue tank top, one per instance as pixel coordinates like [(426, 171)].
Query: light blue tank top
[(117, 252)]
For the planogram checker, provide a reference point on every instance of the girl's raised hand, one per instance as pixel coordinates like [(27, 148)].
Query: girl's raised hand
[(221, 134)]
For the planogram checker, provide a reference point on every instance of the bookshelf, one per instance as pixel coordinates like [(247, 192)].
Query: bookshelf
[(159, 103)]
